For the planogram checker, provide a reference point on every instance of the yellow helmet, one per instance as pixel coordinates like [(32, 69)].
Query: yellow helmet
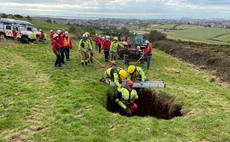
[(87, 33), (122, 74), (115, 38), (131, 69), (138, 47)]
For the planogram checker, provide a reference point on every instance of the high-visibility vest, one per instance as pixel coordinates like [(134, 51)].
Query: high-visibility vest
[(67, 42)]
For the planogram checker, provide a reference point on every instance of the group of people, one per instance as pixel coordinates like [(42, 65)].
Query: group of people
[(111, 48), (61, 44), (128, 93)]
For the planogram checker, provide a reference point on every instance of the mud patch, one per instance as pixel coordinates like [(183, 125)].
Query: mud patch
[(150, 103)]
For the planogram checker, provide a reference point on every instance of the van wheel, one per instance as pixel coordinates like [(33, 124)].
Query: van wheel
[(2, 35), (24, 40)]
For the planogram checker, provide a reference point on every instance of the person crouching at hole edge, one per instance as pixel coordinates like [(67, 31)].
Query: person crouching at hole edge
[(136, 73), (126, 101), (56, 50), (85, 48), (115, 74)]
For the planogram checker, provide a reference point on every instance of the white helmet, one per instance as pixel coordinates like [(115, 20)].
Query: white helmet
[(84, 35), (51, 30), (58, 31), (103, 38), (66, 33), (40, 30), (147, 42), (55, 35)]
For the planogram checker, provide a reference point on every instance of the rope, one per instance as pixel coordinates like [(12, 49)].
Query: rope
[(139, 59)]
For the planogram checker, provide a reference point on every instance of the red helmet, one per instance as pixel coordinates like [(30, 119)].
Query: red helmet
[(130, 83), (134, 106)]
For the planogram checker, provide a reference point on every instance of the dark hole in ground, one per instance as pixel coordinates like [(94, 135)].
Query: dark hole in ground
[(150, 103)]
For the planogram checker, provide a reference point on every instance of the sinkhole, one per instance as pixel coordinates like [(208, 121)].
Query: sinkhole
[(150, 103)]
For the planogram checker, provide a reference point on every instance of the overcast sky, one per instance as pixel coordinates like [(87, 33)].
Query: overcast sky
[(120, 8)]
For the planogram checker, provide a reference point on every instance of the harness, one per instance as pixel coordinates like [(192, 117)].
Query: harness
[(115, 70), (127, 102)]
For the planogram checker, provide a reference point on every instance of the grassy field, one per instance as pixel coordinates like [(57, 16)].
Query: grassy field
[(223, 38), (166, 26), (191, 33), (39, 102), (201, 35)]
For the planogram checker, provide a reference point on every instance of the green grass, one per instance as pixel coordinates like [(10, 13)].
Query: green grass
[(165, 26), (224, 38), (39, 102), (191, 33), (199, 35)]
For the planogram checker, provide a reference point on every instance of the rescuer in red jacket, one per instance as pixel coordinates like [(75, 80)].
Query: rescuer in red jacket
[(42, 37), (148, 53), (56, 49), (61, 44), (105, 46)]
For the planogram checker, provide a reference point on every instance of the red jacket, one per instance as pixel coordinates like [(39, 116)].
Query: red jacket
[(67, 42), (51, 36), (148, 50), (95, 39), (42, 35), (106, 44), (99, 41), (55, 45), (61, 40)]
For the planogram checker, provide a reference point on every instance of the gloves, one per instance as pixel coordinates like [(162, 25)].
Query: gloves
[(116, 100), (141, 83)]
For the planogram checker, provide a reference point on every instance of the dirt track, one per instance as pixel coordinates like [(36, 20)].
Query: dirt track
[(215, 58)]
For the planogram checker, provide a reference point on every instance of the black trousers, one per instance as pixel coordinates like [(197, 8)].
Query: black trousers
[(99, 47), (62, 55), (66, 52), (106, 52), (58, 59)]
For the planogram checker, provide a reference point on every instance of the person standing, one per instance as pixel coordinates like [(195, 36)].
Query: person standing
[(148, 53), (56, 50), (51, 35), (99, 43), (91, 51), (95, 39), (105, 46), (85, 48), (15, 32), (113, 48), (67, 45), (61, 44)]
